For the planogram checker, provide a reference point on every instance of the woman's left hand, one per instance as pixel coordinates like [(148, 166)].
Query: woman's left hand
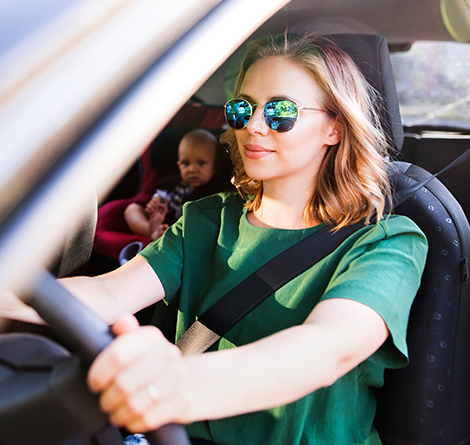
[(142, 378)]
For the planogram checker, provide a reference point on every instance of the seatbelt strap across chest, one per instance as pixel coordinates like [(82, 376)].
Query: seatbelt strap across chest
[(251, 292)]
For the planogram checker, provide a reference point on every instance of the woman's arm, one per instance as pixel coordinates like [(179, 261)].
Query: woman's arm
[(127, 289), (131, 287), (337, 336)]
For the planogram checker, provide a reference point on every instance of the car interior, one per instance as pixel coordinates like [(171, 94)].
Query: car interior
[(428, 402), (415, 404)]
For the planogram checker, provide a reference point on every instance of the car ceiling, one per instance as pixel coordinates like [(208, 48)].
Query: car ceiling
[(401, 22)]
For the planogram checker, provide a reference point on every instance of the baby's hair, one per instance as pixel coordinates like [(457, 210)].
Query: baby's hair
[(201, 137)]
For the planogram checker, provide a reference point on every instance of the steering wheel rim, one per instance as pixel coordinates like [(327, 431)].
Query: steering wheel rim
[(84, 331)]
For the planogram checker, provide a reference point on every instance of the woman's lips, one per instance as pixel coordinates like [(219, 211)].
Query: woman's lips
[(256, 151)]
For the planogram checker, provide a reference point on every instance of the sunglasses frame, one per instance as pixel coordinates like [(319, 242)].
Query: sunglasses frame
[(265, 118)]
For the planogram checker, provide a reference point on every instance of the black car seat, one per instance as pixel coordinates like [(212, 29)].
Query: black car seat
[(427, 402)]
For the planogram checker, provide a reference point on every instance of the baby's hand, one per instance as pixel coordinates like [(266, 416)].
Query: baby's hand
[(159, 231), (156, 221), (156, 203)]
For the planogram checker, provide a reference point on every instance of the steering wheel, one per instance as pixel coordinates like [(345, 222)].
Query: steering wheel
[(88, 334)]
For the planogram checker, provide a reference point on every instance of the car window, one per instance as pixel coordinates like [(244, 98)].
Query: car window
[(433, 84)]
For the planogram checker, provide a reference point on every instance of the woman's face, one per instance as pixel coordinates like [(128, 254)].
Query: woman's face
[(294, 156)]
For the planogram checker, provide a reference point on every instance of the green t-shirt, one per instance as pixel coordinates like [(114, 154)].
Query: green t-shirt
[(213, 247)]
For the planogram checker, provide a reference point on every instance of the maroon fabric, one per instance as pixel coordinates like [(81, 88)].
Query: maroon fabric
[(112, 232)]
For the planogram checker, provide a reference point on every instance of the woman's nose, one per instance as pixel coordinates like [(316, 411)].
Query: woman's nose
[(256, 124)]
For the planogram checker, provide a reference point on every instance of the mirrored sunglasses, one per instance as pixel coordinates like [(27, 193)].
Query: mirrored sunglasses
[(280, 115)]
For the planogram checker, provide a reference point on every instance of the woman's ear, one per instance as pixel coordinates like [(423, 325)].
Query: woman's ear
[(335, 134)]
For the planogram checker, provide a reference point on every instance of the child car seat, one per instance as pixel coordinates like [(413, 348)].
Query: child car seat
[(158, 160)]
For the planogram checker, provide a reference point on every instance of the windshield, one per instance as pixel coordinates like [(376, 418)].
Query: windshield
[(433, 84)]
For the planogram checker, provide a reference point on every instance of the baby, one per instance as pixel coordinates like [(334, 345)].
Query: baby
[(196, 162)]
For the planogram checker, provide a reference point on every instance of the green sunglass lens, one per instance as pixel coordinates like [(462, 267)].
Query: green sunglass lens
[(281, 115), (237, 113)]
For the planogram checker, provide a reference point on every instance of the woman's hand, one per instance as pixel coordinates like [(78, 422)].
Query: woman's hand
[(146, 383), (141, 377), (11, 307)]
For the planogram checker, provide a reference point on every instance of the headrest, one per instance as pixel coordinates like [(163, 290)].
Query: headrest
[(370, 52)]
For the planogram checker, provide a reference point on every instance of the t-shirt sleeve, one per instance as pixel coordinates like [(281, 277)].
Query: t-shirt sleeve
[(383, 271), (165, 255), (183, 257)]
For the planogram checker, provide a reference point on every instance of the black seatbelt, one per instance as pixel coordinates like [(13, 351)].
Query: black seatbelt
[(251, 292), (404, 194)]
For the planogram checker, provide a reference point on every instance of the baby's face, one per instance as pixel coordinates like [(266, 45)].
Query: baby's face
[(196, 163)]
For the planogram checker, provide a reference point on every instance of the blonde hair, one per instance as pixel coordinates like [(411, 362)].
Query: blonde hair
[(351, 183)]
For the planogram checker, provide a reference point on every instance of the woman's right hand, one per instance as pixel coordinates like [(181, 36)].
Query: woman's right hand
[(142, 378), (11, 307)]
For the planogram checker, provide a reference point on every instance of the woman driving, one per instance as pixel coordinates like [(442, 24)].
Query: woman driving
[(303, 367)]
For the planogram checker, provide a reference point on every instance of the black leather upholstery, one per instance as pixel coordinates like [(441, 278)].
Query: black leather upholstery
[(428, 402), (370, 52)]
